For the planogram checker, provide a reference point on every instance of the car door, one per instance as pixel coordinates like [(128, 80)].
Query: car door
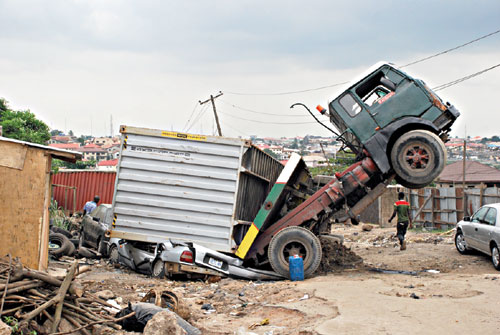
[(485, 230), (471, 232)]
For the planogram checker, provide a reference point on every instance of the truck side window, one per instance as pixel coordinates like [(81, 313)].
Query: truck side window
[(350, 105), (375, 89)]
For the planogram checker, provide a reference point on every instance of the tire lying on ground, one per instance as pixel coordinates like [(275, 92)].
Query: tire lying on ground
[(60, 245), (294, 241), (60, 230)]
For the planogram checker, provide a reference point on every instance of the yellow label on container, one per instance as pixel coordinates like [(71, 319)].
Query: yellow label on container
[(183, 136)]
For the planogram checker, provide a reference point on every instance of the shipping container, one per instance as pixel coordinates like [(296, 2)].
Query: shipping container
[(197, 188), (73, 188)]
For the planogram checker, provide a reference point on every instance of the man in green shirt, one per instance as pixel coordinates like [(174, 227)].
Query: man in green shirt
[(402, 209)]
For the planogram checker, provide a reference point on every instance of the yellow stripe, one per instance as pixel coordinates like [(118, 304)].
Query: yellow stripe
[(247, 241), (183, 136)]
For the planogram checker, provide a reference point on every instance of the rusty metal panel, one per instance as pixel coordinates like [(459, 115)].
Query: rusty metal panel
[(87, 183)]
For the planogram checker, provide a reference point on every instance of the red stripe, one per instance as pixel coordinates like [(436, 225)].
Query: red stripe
[(253, 224), (402, 202)]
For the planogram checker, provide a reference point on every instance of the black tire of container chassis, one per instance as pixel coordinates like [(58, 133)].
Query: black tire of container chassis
[(418, 157), (62, 241), (290, 241)]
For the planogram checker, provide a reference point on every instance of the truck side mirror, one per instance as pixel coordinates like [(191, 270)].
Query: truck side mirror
[(466, 218), (96, 219), (387, 83)]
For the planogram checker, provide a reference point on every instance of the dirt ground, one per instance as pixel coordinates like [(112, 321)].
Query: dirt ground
[(460, 294)]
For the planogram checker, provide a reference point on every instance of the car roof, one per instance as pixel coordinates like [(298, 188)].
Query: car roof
[(496, 206)]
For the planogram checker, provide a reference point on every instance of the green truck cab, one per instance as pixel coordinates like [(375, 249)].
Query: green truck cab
[(398, 121)]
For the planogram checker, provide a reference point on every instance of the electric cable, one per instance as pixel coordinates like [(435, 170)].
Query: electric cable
[(342, 83), (256, 112), (190, 116), (449, 50), (263, 122), (459, 80)]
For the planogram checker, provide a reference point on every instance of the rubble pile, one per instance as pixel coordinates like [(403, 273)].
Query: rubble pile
[(336, 256), (33, 301)]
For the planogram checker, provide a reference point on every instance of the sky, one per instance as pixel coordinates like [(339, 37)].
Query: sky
[(78, 63)]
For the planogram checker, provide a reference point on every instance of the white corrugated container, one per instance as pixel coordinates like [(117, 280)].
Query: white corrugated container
[(188, 187)]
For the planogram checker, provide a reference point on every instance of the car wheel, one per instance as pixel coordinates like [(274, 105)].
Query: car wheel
[(59, 245), (495, 257), (418, 157), (113, 254), (460, 243), (102, 247), (158, 268), (294, 241)]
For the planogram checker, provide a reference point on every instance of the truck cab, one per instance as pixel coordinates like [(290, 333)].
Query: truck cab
[(399, 121)]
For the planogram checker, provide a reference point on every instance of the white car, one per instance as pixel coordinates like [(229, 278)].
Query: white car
[(481, 232)]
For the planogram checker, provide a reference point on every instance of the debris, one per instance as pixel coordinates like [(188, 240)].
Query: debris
[(207, 307), (336, 256), (105, 294), (414, 296), (432, 271), (305, 297), (4, 329), (262, 323), (162, 323), (33, 295), (367, 227), (398, 272)]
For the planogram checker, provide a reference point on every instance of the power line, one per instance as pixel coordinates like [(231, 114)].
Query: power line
[(236, 130), (264, 122), (342, 83), (291, 92), (256, 112), (200, 114), (190, 116), (459, 80), (452, 49)]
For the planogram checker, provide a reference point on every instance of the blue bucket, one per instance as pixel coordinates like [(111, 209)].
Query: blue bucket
[(296, 267)]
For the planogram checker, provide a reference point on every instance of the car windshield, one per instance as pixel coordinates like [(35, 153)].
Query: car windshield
[(479, 215)]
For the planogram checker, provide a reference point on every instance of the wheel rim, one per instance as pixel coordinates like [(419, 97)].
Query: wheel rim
[(157, 268), (417, 157), (461, 244), (495, 255), (294, 248)]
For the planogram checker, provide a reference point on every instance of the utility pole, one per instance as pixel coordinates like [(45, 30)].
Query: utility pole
[(212, 98), (463, 165), (111, 125)]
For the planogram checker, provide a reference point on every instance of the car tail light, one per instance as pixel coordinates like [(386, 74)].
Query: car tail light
[(187, 256)]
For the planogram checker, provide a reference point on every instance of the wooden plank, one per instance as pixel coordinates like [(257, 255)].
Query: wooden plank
[(23, 194), (13, 155)]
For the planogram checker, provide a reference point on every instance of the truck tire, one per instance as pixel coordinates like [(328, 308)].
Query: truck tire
[(418, 157), (113, 254), (59, 245), (60, 230), (290, 241)]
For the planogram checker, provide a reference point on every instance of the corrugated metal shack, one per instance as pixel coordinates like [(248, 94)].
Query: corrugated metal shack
[(73, 188), (25, 182)]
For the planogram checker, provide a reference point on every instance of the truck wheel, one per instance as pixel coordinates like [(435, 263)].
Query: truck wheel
[(418, 157), (294, 241)]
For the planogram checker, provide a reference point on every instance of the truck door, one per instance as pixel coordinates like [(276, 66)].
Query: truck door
[(356, 116)]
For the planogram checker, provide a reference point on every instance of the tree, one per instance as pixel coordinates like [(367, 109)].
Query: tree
[(295, 144), (55, 132), (22, 125), (71, 133)]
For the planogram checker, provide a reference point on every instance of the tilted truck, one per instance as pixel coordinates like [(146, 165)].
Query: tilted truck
[(237, 209)]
